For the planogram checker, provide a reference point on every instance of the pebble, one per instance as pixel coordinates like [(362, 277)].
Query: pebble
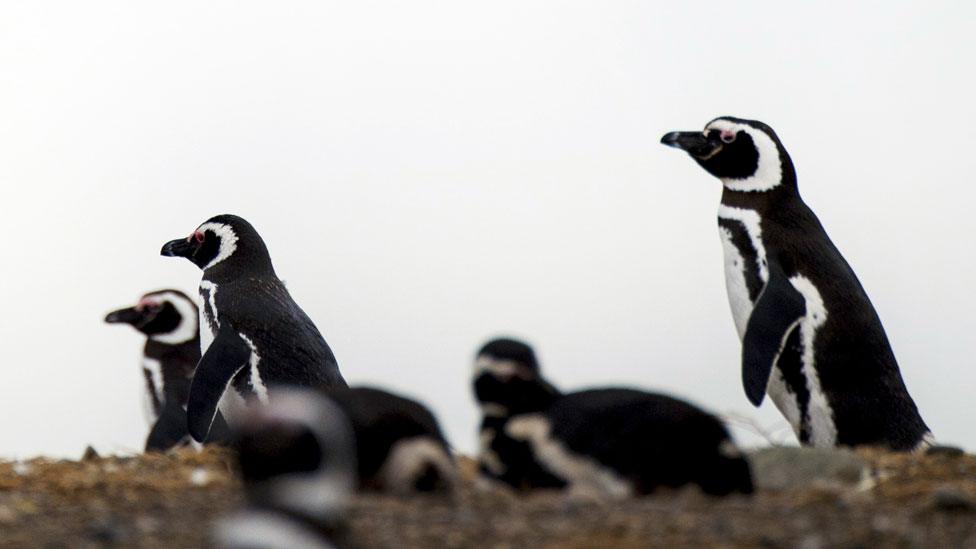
[(950, 498), (199, 477), (947, 451)]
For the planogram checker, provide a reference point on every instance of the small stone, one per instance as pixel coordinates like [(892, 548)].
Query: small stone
[(947, 451), (90, 454), (199, 477), (22, 468), (950, 498)]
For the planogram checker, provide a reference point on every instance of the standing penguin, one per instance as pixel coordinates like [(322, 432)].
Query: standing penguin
[(614, 441), (169, 320), (297, 459), (253, 334), (810, 336)]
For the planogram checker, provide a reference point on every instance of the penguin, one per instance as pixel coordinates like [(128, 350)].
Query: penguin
[(811, 338), (617, 442), (253, 334), (399, 443), (168, 318), (297, 461)]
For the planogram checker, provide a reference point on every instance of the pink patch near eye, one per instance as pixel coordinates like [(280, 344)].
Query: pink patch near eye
[(727, 135), (198, 236), (146, 303)]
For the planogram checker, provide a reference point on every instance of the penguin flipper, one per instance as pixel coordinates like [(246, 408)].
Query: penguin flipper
[(225, 357), (220, 432), (169, 430), (777, 311)]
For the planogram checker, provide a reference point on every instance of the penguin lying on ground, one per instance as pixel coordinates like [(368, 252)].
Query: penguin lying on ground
[(253, 334), (810, 336), (169, 320), (399, 444), (297, 458), (617, 442)]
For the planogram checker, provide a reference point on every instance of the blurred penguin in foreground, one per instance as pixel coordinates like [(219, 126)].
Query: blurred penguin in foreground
[(297, 458)]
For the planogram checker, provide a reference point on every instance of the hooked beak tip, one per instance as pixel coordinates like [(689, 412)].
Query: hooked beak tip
[(176, 248), (671, 139)]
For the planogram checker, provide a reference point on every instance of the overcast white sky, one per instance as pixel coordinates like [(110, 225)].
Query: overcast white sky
[(430, 174)]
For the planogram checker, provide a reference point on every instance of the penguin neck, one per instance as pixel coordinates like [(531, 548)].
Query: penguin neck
[(158, 350), (776, 190), (232, 268)]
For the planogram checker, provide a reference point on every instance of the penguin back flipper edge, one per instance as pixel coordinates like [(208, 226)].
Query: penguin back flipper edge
[(777, 311), (226, 356)]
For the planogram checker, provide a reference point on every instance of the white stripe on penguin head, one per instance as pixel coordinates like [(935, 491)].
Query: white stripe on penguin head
[(228, 241), (186, 330), (769, 171)]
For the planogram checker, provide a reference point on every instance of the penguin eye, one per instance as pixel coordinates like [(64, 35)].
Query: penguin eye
[(727, 136), (198, 236)]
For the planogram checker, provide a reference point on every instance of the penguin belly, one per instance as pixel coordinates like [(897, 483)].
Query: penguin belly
[(744, 256), (735, 282)]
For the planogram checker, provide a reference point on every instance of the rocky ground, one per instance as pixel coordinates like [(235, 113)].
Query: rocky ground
[(806, 499)]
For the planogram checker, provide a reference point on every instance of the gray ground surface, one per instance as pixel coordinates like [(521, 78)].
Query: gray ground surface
[(807, 500)]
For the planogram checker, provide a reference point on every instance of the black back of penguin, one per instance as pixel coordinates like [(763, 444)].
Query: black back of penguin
[(836, 379), (168, 318), (651, 440), (617, 441), (400, 446), (255, 333)]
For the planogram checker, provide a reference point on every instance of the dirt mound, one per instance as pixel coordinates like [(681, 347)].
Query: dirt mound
[(170, 500)]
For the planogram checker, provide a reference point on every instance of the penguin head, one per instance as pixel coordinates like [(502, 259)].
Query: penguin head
[(223, 242), (167, 316), (297, 455), (745, 154), (507, 380)]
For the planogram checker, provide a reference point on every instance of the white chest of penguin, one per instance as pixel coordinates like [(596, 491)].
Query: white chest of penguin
[(817, 416)]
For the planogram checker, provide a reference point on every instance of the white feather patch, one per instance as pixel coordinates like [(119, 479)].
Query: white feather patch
[(206, 332), (820, 417), (409, 458), (493, 409), (785, 401), (155, 371), (186, 330), (228, 241), (752, 222), (769, 171), (582, 473), (735, 283), (257, 384), (488, 457), (271, 531), (503, 369)]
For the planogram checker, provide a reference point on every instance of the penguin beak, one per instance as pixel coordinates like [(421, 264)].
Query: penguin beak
[(128, 315), (181, 247), (694, 143)]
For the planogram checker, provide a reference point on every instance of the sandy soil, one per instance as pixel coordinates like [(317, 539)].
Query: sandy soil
[(170, 501)]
